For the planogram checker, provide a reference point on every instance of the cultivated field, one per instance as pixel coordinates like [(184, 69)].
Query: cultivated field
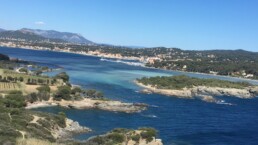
[(9, 86)]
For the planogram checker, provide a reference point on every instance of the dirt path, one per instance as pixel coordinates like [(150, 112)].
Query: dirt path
[(9, 114), (35, 119), (23, 133)]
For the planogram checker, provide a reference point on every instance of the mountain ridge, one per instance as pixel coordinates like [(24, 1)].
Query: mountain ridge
[(66, 36), (1, 30), (27, 36)]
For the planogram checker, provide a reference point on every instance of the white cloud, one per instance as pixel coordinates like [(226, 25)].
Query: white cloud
[(39, 23)]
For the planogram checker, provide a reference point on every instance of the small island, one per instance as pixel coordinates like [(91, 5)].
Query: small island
[(188, 87)]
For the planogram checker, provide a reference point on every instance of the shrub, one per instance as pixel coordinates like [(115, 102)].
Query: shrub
[(120, 130), (61, 119), (63, 75), (76, 90), (14, 100), (98, 140), (63, 92), (15, 111), (148, 133), (116, 137), (32, 97), (24, 70), (44, 88), (136, 137)]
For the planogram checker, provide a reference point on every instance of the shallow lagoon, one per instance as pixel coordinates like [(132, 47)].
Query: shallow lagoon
[(180, 121)]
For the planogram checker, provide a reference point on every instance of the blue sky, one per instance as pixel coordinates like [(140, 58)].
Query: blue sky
[(186, 24)]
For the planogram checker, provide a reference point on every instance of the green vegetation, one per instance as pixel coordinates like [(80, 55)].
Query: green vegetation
[(43, 94), (76, 90), (23, 70), (63, 92), (121, 135), (26, 127), (93, 94), (180, 82), (13, 77), (76, 93), (14, 99), (6, 87), (14, 119), (148, 133), (63, 76), (136, 138)]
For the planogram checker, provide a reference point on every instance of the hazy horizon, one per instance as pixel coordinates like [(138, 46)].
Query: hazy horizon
[(188, 25)]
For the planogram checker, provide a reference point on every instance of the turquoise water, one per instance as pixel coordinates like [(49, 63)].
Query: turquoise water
[(179, 121)]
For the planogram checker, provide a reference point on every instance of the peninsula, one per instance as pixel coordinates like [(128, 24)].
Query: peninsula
[(43, 91), (188, 87)]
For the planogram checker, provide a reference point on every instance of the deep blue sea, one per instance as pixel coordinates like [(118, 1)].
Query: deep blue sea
[(179, 121)]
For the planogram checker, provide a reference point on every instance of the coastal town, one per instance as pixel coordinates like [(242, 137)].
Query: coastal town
[(242, 64)]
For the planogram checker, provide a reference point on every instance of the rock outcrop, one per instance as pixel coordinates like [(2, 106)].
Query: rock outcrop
[(216, 91), (72, 127), (125, 137)]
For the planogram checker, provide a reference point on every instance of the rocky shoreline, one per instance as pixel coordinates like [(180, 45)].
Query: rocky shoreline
[(86, 103), (130, 137), (203, 92), (72, 127)]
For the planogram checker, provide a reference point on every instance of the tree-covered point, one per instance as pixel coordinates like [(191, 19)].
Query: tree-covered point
[(63, 75), (182, 81), (76, 93), (122, 135)]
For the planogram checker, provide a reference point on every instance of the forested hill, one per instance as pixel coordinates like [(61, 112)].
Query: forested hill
[(37, 35), (237, 63)]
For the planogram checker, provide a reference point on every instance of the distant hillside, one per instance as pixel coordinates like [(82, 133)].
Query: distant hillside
[(52, 34), (1, 30), (27, 36)]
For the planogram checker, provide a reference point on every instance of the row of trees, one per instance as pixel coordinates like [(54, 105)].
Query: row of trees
[(76, 93), (27, 80)]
